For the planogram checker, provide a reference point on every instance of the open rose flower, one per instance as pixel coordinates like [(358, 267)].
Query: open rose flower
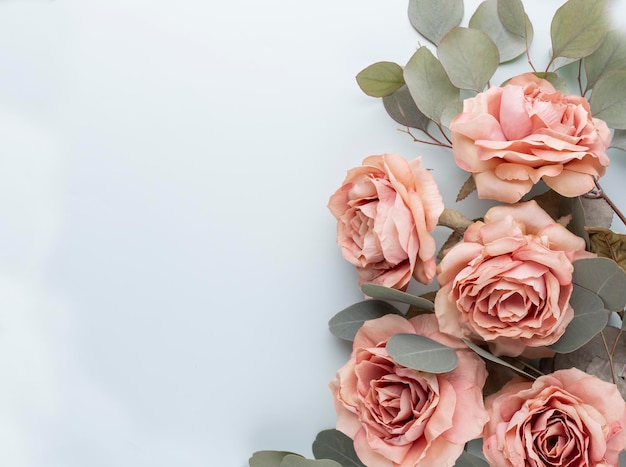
[(510, 280), (510, 137), (401, 417), (567, 418), (385, 212)]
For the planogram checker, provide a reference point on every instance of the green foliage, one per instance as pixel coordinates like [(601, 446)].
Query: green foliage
[(347, 322), (386, 293), (608, 100), (589, 319), (619, 140), (492, 358), (421, 353), (469, 460), (380, 79), (299, 461), (489, 19), (450, 112), (434, 18), (429, 84), (608, 244), (603, 277), (578, 28), (333, 444), (610, 56), (268, 458), (401, 107), (469, 57)]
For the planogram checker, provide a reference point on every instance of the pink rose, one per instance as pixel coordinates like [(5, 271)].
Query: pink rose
[(567, 418), (398, 416), (386, 210), (510, 137), (509, 281)]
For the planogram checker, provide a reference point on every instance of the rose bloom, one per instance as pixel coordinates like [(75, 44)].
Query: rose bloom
[(510, 137), (510, 280), (567, 418), (385, 212), (398, 416)]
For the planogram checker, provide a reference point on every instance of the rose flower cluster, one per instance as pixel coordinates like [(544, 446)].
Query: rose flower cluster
[(505, 286)]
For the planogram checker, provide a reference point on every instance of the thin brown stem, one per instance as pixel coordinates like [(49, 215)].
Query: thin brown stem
[(434, 142), (580, 83), (610, 356), (600, 193)]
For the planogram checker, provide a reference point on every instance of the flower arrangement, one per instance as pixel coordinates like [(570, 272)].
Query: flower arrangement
[(513, 360)]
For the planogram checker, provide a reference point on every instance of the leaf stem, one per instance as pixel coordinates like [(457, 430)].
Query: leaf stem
[(600, 193), (610, 356), (434, 142)]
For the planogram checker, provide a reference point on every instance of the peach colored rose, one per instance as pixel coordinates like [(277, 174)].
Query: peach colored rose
[(510, 137), (401, 417), (385, 212), (509, 281), (567, 418)]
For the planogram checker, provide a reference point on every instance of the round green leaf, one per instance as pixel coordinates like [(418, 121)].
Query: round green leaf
[(434, 18), (610, 56), (512, 16), (298, 461), (401, 107), (608, 99), (469, 57), (380, 79), (386, 293), (268, 458), (578, 28), (589, 319), (469, 460), (421, 353), (333, 444), (347, 322), (603, 277), (429, 84), (450, 112), (619, 140), (509, 45)]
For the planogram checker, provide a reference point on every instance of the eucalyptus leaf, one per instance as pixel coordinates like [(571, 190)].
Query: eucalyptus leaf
[(619, 140), (268, 458), (401, 107), (509, 44), (597, 212), (386, 293), (610, 56), (608, 244), (347, 322), (434, 18), (452, 110), (380, 79), (429, 84), (608, 100), (589, 319), (575, 208), (298, 461), (578, 28), (333, 444), (469, 57), (469, 460), (492, 358), (622, 459), (421, 353), (605, 278), (512, 16)]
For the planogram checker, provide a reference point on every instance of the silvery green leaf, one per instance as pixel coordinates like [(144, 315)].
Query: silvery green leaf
[(469, 57), (510, 45), (380, 79), (452, 110), (608, 99), (421, 353), (469, 460), (429, 84), (268, 458), (603, 277), (347, 322), (333, 444), (298, 461), (512, 17), (434, 18), (622, 459), (401, 107), (489, 356), (610, 56), (619, 140), (589, 319), (386, 293), (578, 28)]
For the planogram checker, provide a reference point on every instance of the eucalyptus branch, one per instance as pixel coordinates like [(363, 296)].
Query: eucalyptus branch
[(434, 142), (610, 357), (444, 133)]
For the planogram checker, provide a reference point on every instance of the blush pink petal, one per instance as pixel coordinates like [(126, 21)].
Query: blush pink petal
[(490, 186)]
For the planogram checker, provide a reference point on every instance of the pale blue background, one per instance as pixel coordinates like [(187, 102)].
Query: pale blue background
[(167, 262)]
